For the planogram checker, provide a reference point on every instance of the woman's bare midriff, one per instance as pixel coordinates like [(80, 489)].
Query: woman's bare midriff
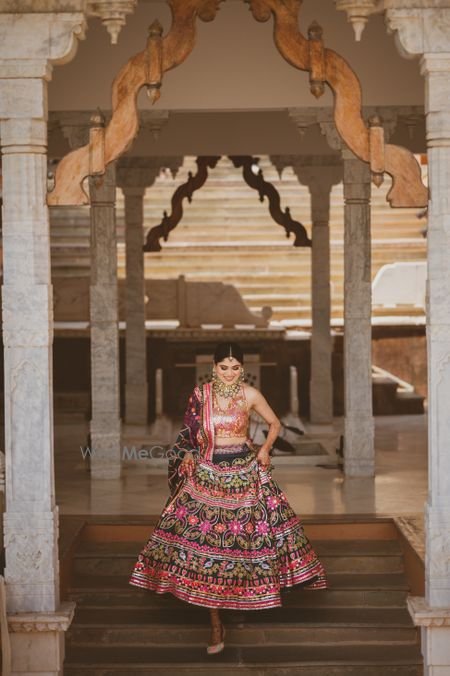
[(227, 441)]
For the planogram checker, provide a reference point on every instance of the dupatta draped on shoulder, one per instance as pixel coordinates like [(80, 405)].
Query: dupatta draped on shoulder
[(196, 435)]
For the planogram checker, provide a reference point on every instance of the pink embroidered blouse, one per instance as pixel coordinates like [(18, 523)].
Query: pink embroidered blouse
[(233, 421)]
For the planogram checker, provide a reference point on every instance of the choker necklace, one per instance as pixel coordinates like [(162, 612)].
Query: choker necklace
[(225, 390)]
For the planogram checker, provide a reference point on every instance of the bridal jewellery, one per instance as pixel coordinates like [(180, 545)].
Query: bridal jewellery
[(223, 389)]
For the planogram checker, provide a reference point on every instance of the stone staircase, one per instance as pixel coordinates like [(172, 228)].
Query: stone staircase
[(227, 235), (358, 627)]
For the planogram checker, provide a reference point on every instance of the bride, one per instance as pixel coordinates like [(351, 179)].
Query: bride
[(227, 537)]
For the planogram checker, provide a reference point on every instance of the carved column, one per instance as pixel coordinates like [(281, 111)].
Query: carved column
[(358, 421), (321, 383), (426, 32), (359, 454), (105, 393), (134, 175), (36, 617), (320, 180), (136, 386)]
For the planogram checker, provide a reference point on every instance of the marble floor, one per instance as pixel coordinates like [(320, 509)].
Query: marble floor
[(398, 489)]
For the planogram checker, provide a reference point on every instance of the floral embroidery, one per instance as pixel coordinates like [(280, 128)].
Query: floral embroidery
[(228, 539)]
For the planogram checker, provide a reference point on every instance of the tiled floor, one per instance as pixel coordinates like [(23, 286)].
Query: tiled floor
[(399, 487)]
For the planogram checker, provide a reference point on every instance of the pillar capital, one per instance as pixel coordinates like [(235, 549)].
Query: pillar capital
[(388, 115), (133, 180), (418, 30), (357, 179), (303, 118), (319, 178), (30, 46), (74, 126), (154, 121), (138, 173), (319, 181), (436, 69)]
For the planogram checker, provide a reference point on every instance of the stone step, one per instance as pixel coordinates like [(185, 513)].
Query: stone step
[(238, 232), (237, 192), (409, 403), (376, 557), (264, 249), (254, 231), (314, 660), (132, 597), (338, 581), (187, 614), (238, 633), (322, 547), (121, 565)]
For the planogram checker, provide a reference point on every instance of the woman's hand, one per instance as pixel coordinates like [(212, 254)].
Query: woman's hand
[(187, 465), (263, 457)]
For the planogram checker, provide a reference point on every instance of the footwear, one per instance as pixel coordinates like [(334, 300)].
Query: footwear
[(217, 647)]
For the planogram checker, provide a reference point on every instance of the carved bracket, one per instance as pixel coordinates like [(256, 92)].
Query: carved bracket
[(266, 189), (326, 66), (145, 68), (255, 181), (186, 190)]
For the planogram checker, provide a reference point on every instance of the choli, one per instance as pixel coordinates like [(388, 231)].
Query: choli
[(233, 421)]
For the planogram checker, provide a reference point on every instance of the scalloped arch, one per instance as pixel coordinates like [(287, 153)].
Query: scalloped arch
[(309, 54)]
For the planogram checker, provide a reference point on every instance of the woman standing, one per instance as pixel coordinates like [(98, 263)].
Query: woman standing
[(227, 537)]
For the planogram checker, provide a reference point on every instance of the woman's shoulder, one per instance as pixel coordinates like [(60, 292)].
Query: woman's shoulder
[(251, 392)]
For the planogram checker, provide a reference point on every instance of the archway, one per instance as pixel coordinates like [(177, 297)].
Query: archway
[(164, 53)]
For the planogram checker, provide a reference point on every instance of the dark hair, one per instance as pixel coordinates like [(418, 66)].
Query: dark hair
[(228, 349)]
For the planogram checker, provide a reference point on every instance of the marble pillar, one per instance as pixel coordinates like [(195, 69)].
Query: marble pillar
[(321, 382), (36, 617), (134, 175), (105, 425), (425, 32), (359, 454), (319, 175), (136, 385)]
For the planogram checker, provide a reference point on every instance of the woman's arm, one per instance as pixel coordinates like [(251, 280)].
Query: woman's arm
[(257, 401)]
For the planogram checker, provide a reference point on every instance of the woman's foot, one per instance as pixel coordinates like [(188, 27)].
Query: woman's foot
[(217, 639)]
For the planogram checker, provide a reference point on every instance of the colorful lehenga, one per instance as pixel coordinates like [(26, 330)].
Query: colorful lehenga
[(227, 537)]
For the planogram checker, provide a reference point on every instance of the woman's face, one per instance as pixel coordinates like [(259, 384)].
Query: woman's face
[(228, 370)]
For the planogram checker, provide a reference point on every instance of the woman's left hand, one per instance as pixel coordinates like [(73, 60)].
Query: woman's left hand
[(263, 457)]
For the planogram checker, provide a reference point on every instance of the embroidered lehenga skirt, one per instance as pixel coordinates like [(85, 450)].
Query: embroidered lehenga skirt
[(228, 538)]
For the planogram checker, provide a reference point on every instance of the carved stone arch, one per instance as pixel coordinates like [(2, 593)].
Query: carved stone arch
[(163, 53), (196, 181)]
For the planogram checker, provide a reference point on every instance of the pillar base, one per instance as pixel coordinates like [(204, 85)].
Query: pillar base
[(37, 641), (435, 628), (359, 453)]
